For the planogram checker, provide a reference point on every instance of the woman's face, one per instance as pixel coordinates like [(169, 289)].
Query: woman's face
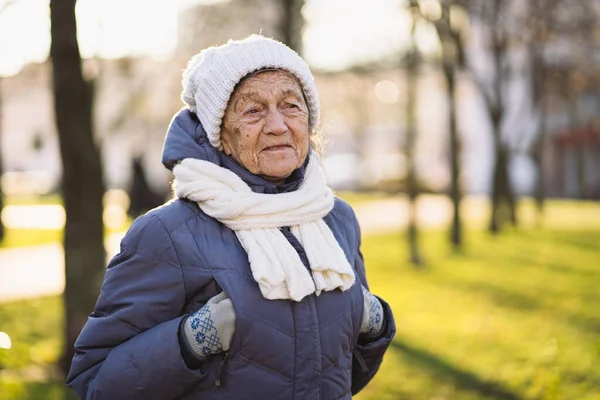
[(265, 127)]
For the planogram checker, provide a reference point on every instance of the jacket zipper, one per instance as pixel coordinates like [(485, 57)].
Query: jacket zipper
[(222, 371)]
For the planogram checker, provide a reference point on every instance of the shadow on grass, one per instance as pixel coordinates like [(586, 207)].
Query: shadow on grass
[(526, 255), (588, 240), (530, 262), (461, 379), (501, 296), (522, 302)]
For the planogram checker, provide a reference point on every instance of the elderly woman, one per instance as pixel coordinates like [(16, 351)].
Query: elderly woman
[(251, 283)]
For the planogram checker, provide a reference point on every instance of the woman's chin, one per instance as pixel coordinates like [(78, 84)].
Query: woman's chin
[(275, 174), (279, 168)]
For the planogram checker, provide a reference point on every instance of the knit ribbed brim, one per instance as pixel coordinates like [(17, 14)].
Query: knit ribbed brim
[(211, 77)]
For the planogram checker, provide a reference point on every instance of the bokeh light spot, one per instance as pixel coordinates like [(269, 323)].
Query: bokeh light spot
[(387, 92), (5, 342)]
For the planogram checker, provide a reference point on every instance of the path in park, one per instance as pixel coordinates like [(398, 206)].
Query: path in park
[(34, 271)]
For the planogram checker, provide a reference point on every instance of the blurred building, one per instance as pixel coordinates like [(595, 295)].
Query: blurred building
[(573, 164), (363, 117), (571, 149), (135, 99), (29, 142)]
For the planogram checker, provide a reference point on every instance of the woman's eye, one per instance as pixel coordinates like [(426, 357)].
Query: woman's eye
[(290, 105), (251, 111)]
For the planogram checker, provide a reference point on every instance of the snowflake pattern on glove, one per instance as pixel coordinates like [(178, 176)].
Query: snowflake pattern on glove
[(205, 332), (374, 324)]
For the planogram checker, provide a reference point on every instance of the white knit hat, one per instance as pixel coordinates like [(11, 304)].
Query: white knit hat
[(211, 77)]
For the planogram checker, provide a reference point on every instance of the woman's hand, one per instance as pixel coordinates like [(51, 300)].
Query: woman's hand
[(372, 321), (209, 330)]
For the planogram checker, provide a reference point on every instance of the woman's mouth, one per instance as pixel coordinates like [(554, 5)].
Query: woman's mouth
[(277, 148)]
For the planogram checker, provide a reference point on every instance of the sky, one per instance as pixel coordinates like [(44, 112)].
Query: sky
[(338, 32)]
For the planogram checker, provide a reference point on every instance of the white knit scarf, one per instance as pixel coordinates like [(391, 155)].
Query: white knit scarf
[(256, 217)]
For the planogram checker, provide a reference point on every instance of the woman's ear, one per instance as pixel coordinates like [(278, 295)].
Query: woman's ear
[(225, 143)]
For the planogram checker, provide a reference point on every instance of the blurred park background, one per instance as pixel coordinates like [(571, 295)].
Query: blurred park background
[(465, 133)]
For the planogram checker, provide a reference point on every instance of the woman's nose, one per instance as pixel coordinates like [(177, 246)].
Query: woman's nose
[(275, 123)]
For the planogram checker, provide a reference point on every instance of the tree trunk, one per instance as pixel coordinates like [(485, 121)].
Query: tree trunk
[(491, 13), (575, 125), (496, 192), (501, 190), (581, 176), (538, 159), (501, 186), (539, 76), (292, 23), (82, 184), (539, 190), (455, 192), (411, 179), (356, 97), (452, 60)]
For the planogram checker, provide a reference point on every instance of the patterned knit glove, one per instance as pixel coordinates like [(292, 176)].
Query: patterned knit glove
[(209, 330), (372, 321)]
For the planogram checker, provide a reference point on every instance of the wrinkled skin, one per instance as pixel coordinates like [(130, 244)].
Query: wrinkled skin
[(265, 127)]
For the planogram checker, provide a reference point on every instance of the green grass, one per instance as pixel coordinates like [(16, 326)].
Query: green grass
[(356, 198), (34, 237), (29, 200), (512, 317), (559, 214), (29, 237), (27, 369), (16, 237)]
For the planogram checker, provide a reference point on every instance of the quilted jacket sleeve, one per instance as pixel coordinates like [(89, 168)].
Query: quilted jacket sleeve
[(129, 348), (369, 354)]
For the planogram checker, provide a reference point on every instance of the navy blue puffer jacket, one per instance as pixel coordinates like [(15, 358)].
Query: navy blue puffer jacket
[(175, 258)]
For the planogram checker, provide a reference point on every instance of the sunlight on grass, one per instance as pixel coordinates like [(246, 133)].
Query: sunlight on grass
[(356, 198), (33, 237), (116, 220), (28, 200), (34, 327), (514, 317), (27, 370), (30, 237)]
